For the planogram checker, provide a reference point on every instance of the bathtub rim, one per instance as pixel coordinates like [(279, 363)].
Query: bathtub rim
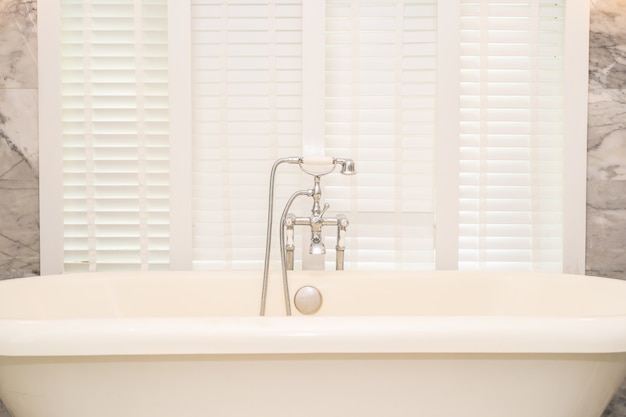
[(267, 335), (314, 334)]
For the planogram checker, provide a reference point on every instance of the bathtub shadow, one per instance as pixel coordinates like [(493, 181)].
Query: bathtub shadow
[(3, 411), (617, 406)]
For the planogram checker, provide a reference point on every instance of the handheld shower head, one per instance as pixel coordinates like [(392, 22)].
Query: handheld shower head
[(347, 166)]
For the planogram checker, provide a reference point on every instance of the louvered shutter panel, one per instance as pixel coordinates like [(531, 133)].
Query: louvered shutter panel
[(115, 134), (384, 73), (380, 110), (511, 144), (247, 113)]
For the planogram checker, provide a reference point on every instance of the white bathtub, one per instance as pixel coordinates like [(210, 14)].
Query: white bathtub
[(428, 344)]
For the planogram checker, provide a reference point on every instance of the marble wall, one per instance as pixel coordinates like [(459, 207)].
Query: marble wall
[(606, 166), (606, 152), (19, 165), (19, 136)]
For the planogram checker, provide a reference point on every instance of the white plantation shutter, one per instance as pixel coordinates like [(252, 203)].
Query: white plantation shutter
[(247, 113), (380, 110), (512, 135), (466, 120), (115, 134), (379, 97)]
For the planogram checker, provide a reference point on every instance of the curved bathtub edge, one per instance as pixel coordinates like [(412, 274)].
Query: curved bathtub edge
[(266, 335)]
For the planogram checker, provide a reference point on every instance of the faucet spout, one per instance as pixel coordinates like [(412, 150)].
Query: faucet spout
[(317, 246)]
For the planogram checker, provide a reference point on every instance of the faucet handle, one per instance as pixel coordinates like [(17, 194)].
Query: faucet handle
[(326, 206)]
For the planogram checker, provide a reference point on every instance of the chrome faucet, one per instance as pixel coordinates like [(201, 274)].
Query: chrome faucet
[(316, 221)]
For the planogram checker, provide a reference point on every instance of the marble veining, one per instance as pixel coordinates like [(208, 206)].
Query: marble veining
[(19, 232), (19, 140), (18, 44), (608, 61), (18, 123)]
